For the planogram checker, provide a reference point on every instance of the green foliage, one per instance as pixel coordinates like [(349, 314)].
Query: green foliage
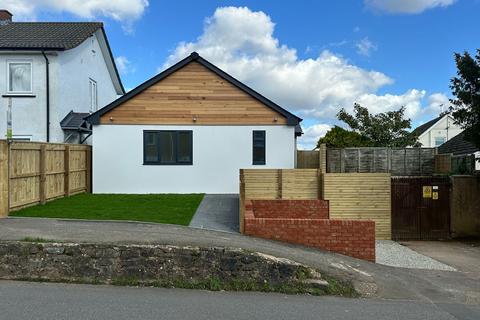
[(338, 137), (387, 129), (466, 89), (161, 208)]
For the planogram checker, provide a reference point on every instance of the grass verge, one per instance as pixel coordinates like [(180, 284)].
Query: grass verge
[(161, 208)]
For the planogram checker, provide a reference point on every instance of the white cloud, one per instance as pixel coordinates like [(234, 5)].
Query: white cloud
[(241, 42), (124, 65), (365, 47), (311, 134), (406, 6), (124, 11)]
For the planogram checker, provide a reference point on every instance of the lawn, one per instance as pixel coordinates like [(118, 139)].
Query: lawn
[(161, 208)]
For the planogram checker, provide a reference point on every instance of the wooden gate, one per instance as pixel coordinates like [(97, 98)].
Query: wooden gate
[(420, 208)]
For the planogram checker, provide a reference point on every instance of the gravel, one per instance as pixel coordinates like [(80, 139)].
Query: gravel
[(393, 254)]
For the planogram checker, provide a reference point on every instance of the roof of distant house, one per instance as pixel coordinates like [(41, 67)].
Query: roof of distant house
[(424, 127), (55, 36), (45, 35), (458, 146)]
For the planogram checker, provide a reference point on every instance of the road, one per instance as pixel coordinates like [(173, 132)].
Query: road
[(25, 300)]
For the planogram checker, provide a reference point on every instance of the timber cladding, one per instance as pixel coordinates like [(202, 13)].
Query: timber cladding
[(34, 172), (193, 95), (360, 196)]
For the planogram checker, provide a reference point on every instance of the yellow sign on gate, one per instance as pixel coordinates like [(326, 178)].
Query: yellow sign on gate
[(427, 191)]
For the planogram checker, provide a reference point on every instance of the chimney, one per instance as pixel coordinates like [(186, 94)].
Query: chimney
[(5, 16)]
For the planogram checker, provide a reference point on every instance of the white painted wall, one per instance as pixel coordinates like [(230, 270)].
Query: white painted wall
[(28, 113), (218, 154), (445, 127), (69, 79)]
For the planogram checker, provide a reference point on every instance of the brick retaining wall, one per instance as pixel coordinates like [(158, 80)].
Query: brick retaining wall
[(291, 209), (355, 238)]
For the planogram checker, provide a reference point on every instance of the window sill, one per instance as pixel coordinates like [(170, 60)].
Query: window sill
[(167, 164), (18, 95)]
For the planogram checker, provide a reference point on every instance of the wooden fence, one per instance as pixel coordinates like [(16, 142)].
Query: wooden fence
[(351, 196), (397, 161), (360, 196), (465, 206), (35, 172)]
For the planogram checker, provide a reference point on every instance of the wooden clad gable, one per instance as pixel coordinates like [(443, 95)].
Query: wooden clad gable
[(193, 95)]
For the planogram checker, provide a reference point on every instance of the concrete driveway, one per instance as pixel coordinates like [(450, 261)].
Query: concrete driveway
[(217, 212), (462, 255)]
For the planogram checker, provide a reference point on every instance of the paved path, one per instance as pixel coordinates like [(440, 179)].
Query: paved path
[(392, 283), (24, 300), (217, 212)]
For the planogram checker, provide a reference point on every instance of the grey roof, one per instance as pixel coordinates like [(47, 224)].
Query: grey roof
[(45, 35), (424, 127), (458, 146), (75, 121)]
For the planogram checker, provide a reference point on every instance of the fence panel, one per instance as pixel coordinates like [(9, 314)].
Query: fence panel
[(308, 159), (38, 172), (397, 161), (360, 196)]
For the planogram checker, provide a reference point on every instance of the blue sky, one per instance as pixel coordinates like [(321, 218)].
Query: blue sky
[(311, 57)]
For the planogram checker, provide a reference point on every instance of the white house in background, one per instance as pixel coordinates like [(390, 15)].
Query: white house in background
[(189, 130), (437, 131), (55, 74)]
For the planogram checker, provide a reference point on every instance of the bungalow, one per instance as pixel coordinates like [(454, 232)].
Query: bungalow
[(189, 130), (437, 131)]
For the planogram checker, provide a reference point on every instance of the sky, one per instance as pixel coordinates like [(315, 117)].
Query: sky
[(310, 57)]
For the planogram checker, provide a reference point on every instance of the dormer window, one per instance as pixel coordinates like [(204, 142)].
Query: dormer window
[(19, 77)]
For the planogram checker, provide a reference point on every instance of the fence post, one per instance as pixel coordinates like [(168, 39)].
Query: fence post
[(89, 170), (280, 183), (241, 215), (43, 175), (322, 152), (4, 179), (66, 163)]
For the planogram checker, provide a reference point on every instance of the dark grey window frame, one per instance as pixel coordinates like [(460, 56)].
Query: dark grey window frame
[(176, 163), (264, 160)]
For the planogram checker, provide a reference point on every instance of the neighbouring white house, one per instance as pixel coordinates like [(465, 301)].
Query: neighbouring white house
[(189, 130), (437, 131), (54, 74)]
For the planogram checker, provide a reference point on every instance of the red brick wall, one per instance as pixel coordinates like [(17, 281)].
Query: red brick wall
[(355, 238), (294, 209)]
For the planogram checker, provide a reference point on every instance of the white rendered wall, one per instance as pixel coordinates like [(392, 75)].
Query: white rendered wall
[(218, 154), (439, 129), (70, 76), (70, 72), (28, 113)]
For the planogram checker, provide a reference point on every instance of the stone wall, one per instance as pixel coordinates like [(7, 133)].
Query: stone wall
[(104, 263)]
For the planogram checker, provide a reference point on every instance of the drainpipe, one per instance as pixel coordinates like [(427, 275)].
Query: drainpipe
[(47, 78)]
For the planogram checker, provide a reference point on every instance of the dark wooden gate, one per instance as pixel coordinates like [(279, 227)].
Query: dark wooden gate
[(420, 208)]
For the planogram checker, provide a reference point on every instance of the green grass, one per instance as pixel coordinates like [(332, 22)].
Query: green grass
[(162, 208)]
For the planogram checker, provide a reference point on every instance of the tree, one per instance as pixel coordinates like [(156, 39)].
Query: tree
[(338, 137), (466, 89), (387, 129)]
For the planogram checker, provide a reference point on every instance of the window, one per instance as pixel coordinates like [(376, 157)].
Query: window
[(19, 77), (258, 147), (439, 141), (93, 95), (167, 147)]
